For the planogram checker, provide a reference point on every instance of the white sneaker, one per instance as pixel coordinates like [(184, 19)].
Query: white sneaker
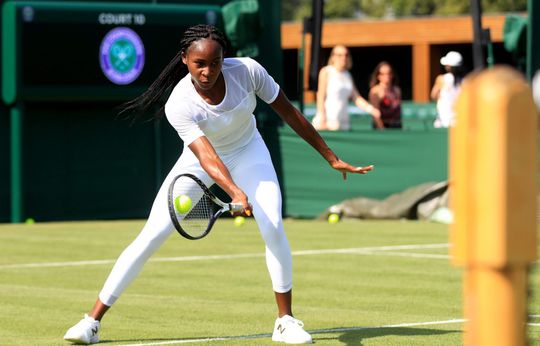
[(289, 330), (84, 332)]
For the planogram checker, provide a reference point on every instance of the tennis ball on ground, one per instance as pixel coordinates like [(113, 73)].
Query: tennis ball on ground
[(182, 204), (333, 218), (29, 221), (239, 221)]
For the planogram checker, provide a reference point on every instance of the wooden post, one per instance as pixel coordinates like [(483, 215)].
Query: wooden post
[(421, 69), (309, 95), (493, 167)]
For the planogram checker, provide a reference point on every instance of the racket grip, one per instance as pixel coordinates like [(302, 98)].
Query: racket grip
[(236, 207)]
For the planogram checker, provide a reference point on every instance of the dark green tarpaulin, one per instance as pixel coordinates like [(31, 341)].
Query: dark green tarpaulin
[(402, 159)]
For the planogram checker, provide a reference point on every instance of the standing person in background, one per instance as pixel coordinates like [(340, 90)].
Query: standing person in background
[(385, 95), (336, 88), (446, 89), (535, 84), (211, 107)]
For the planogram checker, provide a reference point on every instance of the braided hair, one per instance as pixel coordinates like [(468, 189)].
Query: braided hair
[(171, 74)]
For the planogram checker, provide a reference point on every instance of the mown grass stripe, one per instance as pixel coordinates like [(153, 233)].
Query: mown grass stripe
[(364, 250)]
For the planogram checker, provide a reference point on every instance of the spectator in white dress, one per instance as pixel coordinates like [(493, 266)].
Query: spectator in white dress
[(335, 90)]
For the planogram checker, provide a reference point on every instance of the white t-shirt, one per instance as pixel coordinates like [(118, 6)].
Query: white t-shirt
[(446, 102), (231, 124)]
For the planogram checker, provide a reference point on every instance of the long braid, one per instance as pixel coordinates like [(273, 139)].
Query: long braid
[(171, 74)]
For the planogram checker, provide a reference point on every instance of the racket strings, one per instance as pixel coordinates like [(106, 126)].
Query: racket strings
[(196, 221)]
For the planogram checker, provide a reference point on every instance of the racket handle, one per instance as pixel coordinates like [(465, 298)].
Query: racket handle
[(236, 207)]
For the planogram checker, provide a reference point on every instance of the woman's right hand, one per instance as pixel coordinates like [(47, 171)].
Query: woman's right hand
[(216, 169), (241, 198)]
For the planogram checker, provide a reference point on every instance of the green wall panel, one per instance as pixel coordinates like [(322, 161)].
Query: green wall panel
[(402, 159), (4, 165), (82, 162)]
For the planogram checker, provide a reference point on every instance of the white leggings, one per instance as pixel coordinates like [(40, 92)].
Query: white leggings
[(252, 170)]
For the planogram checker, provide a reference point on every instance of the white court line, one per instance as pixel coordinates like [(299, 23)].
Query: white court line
[(364, 251), (408, 254), (370, 249), (318, 331)]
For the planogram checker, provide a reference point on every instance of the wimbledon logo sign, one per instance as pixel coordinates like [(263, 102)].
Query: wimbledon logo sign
[(121, 55)]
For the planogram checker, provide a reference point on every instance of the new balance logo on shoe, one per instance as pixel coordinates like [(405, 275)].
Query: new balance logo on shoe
[(281, 329), (85, 332), (289, 330)]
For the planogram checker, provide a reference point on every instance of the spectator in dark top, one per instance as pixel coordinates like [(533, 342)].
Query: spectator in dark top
[(385, 95)]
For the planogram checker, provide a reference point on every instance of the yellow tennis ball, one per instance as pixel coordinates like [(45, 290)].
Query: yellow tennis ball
[(333, 218), (239, 221), (182, 204)]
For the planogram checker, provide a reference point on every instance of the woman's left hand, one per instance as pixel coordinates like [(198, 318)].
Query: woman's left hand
[(345, 168)]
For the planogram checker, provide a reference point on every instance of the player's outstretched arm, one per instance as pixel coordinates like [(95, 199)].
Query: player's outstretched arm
[(216, 169), (292, 116)]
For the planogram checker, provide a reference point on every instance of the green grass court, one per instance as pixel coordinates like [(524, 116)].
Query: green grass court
[(356, 283)]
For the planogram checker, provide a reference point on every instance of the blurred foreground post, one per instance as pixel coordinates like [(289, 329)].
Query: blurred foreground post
[(493, 167)]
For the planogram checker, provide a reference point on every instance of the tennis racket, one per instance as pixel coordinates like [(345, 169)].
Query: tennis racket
[(198, 221)]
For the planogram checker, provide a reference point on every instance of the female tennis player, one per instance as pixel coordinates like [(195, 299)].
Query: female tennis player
[(211, 107)]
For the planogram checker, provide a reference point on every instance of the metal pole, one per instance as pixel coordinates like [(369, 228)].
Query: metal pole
[(478, 52), (316, 33), (533, 35), (489, 46), (16, 164)]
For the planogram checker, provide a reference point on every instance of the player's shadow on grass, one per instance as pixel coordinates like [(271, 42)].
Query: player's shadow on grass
[(350, 337), (355, 337)]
